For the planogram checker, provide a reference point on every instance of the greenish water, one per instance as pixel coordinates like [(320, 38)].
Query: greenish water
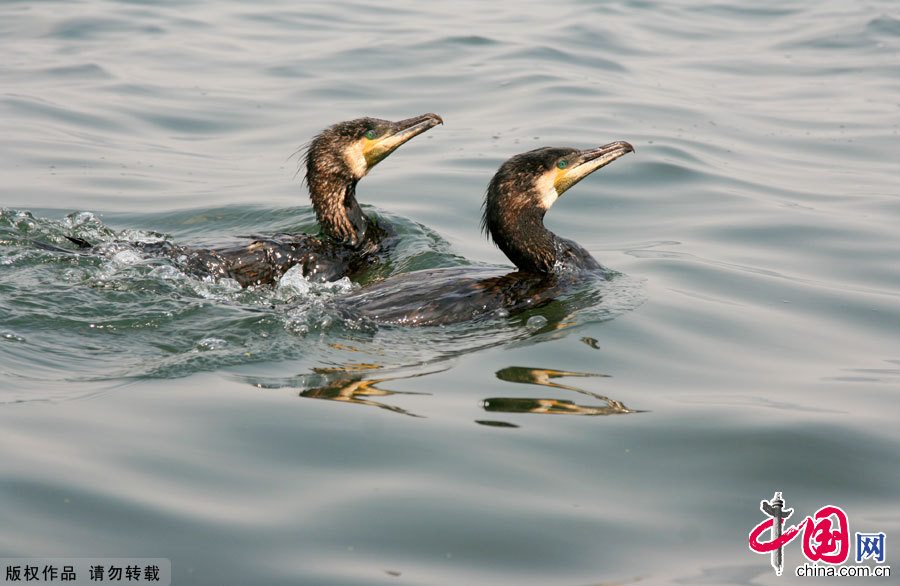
[(749, 343)]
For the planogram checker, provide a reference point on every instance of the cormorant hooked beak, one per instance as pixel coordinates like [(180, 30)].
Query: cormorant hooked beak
[(376, 149), (585, 162)]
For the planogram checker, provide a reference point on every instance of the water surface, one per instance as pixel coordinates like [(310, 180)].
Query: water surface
[(749, 344)]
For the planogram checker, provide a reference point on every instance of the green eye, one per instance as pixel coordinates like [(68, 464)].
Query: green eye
[(370, 135), (561, 164)]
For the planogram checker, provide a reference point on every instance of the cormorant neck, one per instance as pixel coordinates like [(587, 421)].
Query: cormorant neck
[(338, 212), (521, 235)]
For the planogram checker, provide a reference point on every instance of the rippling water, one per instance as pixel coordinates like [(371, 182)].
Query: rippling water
[(750, 342)]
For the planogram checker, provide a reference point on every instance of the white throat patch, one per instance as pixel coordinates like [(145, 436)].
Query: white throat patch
[(547, 189), (356, 160), (549, 197)]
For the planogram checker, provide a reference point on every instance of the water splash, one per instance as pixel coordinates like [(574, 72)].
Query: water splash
[(115, 314)]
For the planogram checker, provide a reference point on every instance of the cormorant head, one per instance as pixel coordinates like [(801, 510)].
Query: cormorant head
[(525, 187), (343, 154), (350, 149)]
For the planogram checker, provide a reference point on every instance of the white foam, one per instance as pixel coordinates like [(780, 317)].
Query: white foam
[(207, 344), (126, 257), (293, 282)]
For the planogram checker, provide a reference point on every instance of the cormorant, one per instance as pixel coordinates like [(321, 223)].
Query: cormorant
[(349, 241), (517, 198)]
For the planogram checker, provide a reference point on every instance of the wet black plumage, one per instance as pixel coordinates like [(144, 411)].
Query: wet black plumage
[(518, 196)]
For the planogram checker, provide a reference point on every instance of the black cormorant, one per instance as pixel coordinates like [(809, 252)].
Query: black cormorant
[(349, 241), (518, 196)]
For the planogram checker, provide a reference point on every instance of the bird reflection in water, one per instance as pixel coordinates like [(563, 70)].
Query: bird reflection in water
[(350, 387), (355, 383), (543, 377)]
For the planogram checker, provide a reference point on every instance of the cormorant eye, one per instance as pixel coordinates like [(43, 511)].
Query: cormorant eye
[(561, 164), (370, 134)]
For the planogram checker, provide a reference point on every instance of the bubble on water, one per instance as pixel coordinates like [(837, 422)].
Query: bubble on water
[(535, 322)]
